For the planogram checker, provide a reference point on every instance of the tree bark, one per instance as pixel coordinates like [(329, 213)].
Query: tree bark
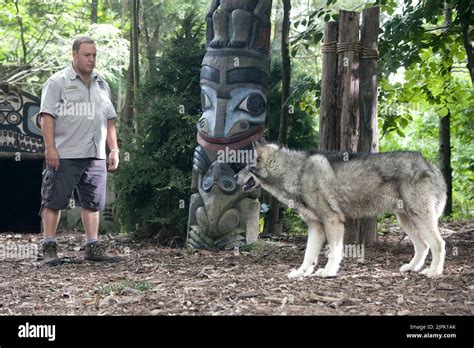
[(151, 31), (445, 160), (94, 6), (273, 213), (129, 109), (348, 76), (348, 98), (329, 137), (22, 34), (368, 141), (445, 137), (135, 33), (286, 74), (465, 12), (278, 26)]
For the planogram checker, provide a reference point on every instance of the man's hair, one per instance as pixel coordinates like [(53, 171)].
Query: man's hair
[(78, 41)]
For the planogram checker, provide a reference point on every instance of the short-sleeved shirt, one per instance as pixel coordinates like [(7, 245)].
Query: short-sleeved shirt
[(80, 113)]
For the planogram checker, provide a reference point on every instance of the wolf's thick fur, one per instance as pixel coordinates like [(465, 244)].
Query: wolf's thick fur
[(327, 188)]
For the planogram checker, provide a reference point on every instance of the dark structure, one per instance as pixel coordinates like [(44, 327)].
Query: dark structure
[(21, 160)]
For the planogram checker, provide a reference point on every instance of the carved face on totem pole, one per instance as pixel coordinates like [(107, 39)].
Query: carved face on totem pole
[(234, 74), (234, 79)]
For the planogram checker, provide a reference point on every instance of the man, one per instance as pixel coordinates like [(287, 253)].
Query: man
[(77, 120)]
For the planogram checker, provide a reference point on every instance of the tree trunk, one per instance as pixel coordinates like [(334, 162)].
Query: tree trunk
[(445, 138), (151, 49), (129, 109), (22, 34), (445, 160), (272, 217), (348, 96), (151, 34), (368, 141), (278, 26), (348, 76), (329, 137), (135, 33), (94, 6), (286, 74), (465, 12)]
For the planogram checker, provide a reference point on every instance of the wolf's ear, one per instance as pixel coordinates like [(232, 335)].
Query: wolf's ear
[(255, 144), (258, 143)]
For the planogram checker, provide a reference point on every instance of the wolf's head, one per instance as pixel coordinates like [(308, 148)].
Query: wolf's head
[(263, 167)]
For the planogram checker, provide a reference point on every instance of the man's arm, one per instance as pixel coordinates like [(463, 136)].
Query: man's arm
[(112, 144), (47, 129), (50, 97)]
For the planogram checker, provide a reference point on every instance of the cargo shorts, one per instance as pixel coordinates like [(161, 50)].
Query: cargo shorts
[(77, 183)]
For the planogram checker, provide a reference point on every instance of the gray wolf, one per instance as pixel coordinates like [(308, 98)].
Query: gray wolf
[(327, 188)]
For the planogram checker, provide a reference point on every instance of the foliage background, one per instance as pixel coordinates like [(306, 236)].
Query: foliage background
[(422, 77)]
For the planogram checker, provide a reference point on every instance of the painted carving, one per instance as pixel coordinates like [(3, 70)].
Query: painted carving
[(234, 79), (19, 123)]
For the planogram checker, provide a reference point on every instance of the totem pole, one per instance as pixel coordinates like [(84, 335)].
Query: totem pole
[(234, 79)]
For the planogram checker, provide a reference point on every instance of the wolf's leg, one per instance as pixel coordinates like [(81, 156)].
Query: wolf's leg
[(335, 232), (316, 238), (428, 228), (420, 245)]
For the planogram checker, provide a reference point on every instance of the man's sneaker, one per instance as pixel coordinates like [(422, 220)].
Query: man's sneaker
[(96, 252), (50, 252)]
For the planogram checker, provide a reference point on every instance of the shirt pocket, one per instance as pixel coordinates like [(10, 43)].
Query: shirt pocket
[(73, 106), (73, 96)]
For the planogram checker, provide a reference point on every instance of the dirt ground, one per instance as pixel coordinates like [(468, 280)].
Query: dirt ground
[(157, 280)]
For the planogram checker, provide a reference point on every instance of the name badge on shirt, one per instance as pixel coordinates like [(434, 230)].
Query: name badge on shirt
[(71, 88)]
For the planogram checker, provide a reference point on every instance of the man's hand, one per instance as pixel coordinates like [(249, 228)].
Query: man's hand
[(113, 161), (52, 157)]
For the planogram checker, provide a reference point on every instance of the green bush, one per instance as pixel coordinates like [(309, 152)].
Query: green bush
[(153, 187)]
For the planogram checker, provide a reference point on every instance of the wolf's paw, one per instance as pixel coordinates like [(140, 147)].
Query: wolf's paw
[(295, 274), (324, 273), (430, 273), (406, 268), (300, 272)]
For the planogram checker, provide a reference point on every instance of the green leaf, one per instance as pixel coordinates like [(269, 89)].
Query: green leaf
[(403, 122), (317, 38), (443, 112)]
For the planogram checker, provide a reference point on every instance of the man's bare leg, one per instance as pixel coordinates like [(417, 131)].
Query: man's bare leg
[(90, 220), (50, 222)]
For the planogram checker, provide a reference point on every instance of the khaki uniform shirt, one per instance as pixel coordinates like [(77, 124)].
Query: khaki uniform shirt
[(80, 113)]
